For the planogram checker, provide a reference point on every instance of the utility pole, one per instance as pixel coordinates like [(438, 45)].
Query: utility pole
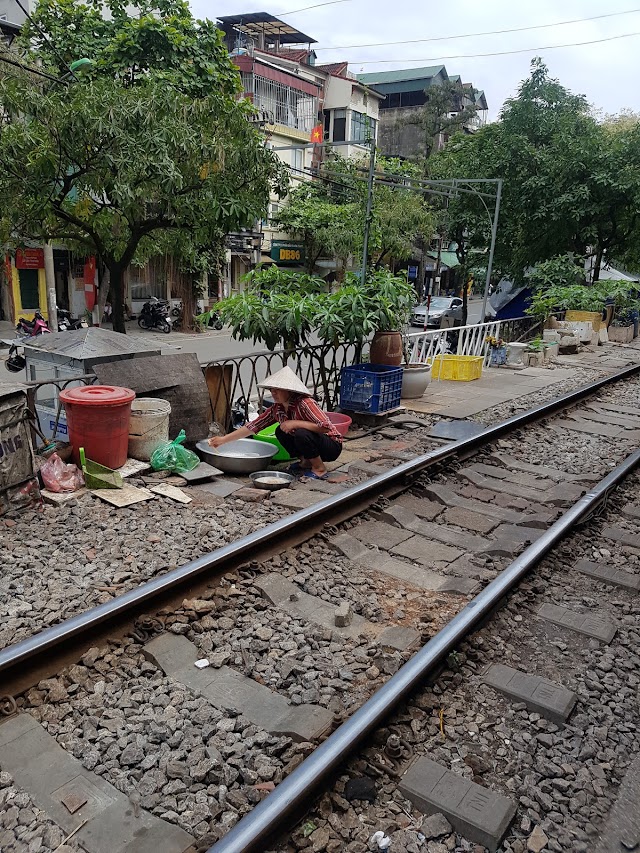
[(50, 279), (494, 229), (367, 218)]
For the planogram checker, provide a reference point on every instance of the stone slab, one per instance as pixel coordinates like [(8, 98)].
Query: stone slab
[(539, 694), (422, 507), (126, 496), (589, 624), (166, 490), (456, 430), (222, 487), (510, 539), (378, 533), (610, 575), (631, 511), (417, 576), (51, 775), (225, 688), (617, 534), (626, 410), (367, 468), (297, 498), (622, 829), (477, 813), (588, 427), (460, 586), (426, 551), (348, 546), (469, 520), (327, 487), (559, 495), (544, 471), (203, 471), (449, 498), (464, 567), (602, 417), (284, 594), (519, 478), (60, 498), (448, 535), (132, 467)]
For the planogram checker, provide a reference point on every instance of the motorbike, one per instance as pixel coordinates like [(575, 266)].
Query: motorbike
[(67, 323), (155, 315), (32, 328)]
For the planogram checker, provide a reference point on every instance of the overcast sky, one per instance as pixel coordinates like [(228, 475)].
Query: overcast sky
[(606, 72)]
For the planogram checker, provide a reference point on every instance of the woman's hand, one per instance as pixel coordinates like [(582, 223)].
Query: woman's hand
[(290, 426), (216, 441)]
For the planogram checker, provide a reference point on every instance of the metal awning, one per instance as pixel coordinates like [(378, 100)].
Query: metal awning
[(256, 24)]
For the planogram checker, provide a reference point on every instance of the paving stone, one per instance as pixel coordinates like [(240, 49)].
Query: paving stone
[(539, 694), (465, 567), (607, 574), (222, 488), (417, 576), (591, 428), (50, 775), (519, 478), (540, 470), (631, 511), (407, 421), (225, 688), (284, 594), (615, 407), (203, 471), (450, 498), (477, 813), (602, 417), (584, 623), (348, 546), (421, 507), (378, 533), (510, 539), (367, 468), (469, 520), (623, 820), (617, 534), (432, 530), (456, 430), (463, 586), (251, 495), (559, 495), (60, 498), (324, 486), (297, 499), (425, 551)]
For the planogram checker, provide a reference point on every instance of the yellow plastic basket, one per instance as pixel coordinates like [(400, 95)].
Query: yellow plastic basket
[(593, 317), (461, 368)]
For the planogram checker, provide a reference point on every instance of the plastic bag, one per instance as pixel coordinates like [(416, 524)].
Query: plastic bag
[(171, 456), (60, 477)]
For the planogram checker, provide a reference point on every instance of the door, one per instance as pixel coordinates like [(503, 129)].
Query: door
[(29, 296)]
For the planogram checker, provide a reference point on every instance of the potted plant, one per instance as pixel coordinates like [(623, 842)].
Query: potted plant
[(621, 328), (534, 353)]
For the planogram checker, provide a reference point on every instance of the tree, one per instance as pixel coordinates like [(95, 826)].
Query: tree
[(153, 153)]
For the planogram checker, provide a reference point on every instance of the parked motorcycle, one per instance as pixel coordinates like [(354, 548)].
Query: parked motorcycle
[(32, 328), (155, 315), (67, 323)]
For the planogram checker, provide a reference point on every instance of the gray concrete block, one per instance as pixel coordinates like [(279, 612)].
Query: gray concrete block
[(559, 495), (343, 615), (540, 470), (367, 468), (222, 488), (348, 546), (442, 533), (426, 552), (618, 534), (589, 624), (607, 574), (464, 567), (297, 498), (449, 498), (511, 539), (462, 586), (378, 533), (623, 820), (225, 688), (588, 427), (417, 576), (631, 511), (519, 478), (421, 507), (539, 694), (51, 775), (203, 471), (456, 430), (477, 813), (469, 520), (399, 637)]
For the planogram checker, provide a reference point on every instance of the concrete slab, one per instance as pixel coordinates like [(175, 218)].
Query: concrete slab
[(588, 427), (460, 586), (589, 624), (610, 575), (624, 537), (469, 520), (297, 498), (126, 496), (456, 430), (448, 535), (202, 472), (417, 576), (477, 813), (511, 539), (426, 551), (559, 495), (222, 488), (540, 470), (519, 478), (448, 497), (622, 829), (539, 694), (631, 511), (603, 417), (368, 468), (284, 594), (52, 777), (378, 533), (348, 546), (225, 688), (422, 507)]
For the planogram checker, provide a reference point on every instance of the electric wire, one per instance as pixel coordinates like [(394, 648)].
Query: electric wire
[(16, 64), (472, 35), (316, 6)]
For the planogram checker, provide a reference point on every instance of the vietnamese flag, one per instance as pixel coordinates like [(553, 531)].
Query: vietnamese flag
[(317, 134)]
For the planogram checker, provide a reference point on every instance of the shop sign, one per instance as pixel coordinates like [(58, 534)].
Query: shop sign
[(286, 252), (412, 273), (30, 259)]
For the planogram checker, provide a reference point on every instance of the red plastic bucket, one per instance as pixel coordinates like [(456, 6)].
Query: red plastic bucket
[(340, 422), (98, 419)]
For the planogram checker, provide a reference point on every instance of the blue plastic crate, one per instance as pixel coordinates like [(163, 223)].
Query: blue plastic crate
[(372, 388)]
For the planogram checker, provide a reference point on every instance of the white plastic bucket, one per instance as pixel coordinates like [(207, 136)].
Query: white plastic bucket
[(149, 426)]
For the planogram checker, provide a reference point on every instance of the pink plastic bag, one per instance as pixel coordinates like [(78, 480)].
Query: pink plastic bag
[(59, 477)]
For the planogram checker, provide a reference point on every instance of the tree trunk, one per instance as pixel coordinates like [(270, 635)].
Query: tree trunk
[(103, 291), (117, 292), (465, 300), (596, 266)]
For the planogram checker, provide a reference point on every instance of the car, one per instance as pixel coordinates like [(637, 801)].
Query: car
[(440, 306)]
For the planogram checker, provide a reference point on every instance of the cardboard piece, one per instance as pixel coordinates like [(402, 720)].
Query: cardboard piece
[(169, 491)]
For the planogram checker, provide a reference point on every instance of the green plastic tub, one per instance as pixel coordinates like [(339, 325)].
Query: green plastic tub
[(268, 435)]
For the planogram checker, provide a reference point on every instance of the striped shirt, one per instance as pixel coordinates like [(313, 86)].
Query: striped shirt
[(299, 408)]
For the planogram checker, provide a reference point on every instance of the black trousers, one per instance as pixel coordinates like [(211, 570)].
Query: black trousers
[(308, 445)]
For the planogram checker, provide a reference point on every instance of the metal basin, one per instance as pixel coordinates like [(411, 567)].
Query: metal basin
[(271, 480), (243, 456)]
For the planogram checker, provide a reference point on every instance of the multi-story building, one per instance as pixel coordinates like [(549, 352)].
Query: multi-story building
[(406, 93)]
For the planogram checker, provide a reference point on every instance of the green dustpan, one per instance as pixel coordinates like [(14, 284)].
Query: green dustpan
[(98, 476)]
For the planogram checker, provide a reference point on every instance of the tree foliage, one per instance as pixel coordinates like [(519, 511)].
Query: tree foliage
[(152, 153)]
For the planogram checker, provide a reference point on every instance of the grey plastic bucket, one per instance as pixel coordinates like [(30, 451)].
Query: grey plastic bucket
[(149, 426)]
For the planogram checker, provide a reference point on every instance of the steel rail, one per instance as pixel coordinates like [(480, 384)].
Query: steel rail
[(268, 818), (36, 646)]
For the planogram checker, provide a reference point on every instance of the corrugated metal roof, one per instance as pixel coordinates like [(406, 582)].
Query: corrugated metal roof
[(400, 76), (258, 23), (89, 343)]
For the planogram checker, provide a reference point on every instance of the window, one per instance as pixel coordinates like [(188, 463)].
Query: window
[(339, 125), (363, 128), (284, 104), (298, 162), (327, 123)]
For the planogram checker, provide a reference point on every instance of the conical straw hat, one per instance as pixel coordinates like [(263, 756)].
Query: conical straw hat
[(286, 380)]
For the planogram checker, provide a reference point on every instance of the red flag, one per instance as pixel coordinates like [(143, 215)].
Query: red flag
[(317, 133)]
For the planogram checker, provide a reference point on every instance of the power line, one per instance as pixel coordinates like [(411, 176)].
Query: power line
[(495, 53), (472, 35), (46, 38), (16, 64), (317, 6)]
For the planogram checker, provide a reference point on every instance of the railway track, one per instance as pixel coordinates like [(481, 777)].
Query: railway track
[(321, 616)]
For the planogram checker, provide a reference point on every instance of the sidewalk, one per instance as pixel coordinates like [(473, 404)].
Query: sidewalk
[(499, 385)]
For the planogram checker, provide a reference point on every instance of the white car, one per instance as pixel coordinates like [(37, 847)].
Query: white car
[(440, 306)]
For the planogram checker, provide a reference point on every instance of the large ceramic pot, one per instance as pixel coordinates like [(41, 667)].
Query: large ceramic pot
[(415, 380), (386, 348)]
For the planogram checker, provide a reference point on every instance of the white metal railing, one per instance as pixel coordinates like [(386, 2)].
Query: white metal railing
[(457, 340)]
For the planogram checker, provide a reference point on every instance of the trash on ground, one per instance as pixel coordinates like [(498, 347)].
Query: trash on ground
[(60, 477), (172, 456), (98, 476), (383, 841), (203, 663), (360, 788)]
